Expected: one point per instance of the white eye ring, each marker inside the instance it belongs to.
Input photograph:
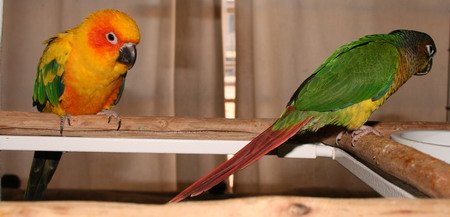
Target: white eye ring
(430, 49)
(111, 37)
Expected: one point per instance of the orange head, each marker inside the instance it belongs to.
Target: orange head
(107, 41)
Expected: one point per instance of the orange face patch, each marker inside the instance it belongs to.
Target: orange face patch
(103, 38)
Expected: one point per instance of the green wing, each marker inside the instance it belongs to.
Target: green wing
(48, 86)
(361, 70)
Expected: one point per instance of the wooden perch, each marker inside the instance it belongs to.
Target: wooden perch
(428, 174)
(422, 171)
(261, 206)
(34, 123)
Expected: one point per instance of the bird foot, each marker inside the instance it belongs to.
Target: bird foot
(62, 121)
(357, 134)
(339, 137)
(112, 114)
(362, 131)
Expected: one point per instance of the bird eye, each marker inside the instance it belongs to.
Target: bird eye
(430, 49)
(111, 37)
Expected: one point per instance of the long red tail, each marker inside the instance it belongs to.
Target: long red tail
(258, 147)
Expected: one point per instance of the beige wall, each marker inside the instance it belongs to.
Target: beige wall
(282, 42)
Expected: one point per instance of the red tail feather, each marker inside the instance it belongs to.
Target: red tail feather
(258, 147)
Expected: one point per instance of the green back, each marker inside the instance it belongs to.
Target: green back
(358, 71)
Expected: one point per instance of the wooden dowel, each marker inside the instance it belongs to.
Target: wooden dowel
(34, 123)
(259, 206)
(428, 174)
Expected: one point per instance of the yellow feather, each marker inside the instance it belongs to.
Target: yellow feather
(360, 112)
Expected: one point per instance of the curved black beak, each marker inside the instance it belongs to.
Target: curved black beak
(127, 55)
(426, 69)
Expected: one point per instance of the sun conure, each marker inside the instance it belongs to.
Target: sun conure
(82, 71)
(344, 91)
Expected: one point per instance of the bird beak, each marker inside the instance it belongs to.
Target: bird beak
(127, 55)
(426, 69)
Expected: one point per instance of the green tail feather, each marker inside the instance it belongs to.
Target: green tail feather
(41, 172)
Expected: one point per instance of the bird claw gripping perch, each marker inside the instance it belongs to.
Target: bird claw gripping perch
(362, 131)
(112, 114)
(62, 121)
(357, 134)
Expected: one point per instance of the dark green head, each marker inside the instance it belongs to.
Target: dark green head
(419, 47)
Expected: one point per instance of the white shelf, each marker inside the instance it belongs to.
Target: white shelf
(188, 146)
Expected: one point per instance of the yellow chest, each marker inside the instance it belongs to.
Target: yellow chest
(88, 91)
(356, 115)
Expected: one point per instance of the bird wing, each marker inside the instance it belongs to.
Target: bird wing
(358, 71)
(48, 86)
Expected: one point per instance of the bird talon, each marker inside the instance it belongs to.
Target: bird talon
(357, 134)
(119, 124)
(62, 121)
(112, 114)
(339, 137)
(362, 131)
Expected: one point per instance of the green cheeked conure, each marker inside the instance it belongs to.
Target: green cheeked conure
(344, 91)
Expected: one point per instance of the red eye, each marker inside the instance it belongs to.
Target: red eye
(111, 37)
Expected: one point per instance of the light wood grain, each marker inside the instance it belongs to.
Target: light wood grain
(258, 206)
(34, 123)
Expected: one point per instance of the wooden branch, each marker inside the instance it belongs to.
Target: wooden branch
(420, 170)
(34, 123)
(428, 174)
(258, 206)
